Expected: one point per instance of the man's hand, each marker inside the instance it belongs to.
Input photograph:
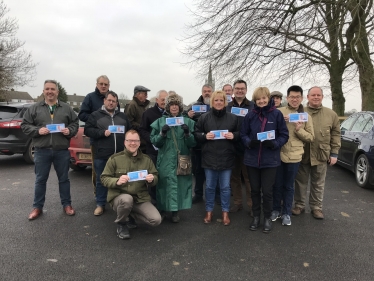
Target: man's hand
(191, 113)
(123, 179)
(286, 118)
(333, 160)
(229, 136)
(43, 131)
(107, 133)
(65, 131)
(298, 126)
(254, 143)
(210, 136)
(149, 178)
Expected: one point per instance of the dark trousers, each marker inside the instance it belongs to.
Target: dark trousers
(262, 180)
(199, 173)
(101, 191)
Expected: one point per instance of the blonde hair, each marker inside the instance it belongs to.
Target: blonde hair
(259, 92)
(220, 94)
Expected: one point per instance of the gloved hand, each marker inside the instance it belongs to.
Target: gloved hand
(269, 144)
(185, 128)
(254, 143)
(165, 129)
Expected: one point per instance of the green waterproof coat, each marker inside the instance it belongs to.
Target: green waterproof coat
(173, 192)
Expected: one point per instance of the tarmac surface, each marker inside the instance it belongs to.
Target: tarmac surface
(85, 247)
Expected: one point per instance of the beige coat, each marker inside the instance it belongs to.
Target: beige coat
(293, 150)
(327, 136)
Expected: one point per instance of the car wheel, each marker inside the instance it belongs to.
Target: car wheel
(363, 171)
(28, 156)
(77, 167)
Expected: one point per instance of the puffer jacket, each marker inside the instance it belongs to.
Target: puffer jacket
(217, 154)
(120, 164)
(293, 150)
(95, 127)
(259, 120)
(38, 116)
(327, 136)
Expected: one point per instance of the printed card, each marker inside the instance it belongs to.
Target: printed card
(219, 134)
(268, 135)
(137, 175)
(229, 98)
(116, 129)
(55, 128)
(239, 111)
(199, 108)
(175, 121)
(298, 117)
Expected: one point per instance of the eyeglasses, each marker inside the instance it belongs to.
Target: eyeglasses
(133, 141)
(294, 97)
(103, 84)
(239, 89)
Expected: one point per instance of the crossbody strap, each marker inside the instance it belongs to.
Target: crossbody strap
(174, 139)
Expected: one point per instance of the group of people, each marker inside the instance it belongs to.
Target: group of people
(222, 144)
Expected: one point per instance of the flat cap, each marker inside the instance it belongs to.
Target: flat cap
(140, 89)
(276, 94)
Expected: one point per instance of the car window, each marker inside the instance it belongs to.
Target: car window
(369, 124)
(360, 123)
(8, 112)
(347, 124)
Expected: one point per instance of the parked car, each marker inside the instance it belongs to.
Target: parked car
(357, 150)
(80, 152)
(12, 139)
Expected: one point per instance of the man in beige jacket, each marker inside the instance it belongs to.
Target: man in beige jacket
(322, 151)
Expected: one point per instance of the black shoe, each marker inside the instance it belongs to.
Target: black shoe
(174, 217)
(123, 231)
(267, 225)
(255, 223)
(131, 224)
(197, 199)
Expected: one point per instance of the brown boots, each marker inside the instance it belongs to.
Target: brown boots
(225, 218)
(208, 217)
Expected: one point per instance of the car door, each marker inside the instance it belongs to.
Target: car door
(346, 138)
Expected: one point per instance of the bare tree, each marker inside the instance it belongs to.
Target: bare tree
(274, 40)
(16, 65)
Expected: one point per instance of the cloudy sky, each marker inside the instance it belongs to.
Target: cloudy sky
(132, 42)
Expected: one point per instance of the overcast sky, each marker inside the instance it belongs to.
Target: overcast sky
(132, 42)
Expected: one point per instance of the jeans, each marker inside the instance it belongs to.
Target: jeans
(101, 191)
(283, 188)
(262, 180)
(43, 159)
(213, 177)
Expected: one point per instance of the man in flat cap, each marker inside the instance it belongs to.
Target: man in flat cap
(135, 109)
(277, 98)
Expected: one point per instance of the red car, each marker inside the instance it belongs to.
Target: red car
(80, 152)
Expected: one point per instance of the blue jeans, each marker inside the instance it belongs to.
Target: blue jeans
(212, 178)
(43, 159)
(101, 191)
(283, 188)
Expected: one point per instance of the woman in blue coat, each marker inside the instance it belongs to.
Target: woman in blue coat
(263, 157)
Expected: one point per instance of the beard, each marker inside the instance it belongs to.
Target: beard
(207, 100)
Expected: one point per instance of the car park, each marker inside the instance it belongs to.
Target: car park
(12, 139)
(80, 151)
(357, 147)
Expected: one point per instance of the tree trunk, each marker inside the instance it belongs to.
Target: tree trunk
(338, 100)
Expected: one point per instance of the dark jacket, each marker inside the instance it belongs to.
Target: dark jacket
(217, 154)
(259, 120)
(97, 123)
(149, 116)
(134, 111)
(245, 104)
(92, 102)
(38, 116)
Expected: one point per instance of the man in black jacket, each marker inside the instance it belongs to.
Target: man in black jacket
(92, 102)
(106, 127)
(240, 101)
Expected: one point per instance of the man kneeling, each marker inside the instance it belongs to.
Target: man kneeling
(128, 192)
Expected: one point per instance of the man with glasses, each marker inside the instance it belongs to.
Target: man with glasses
(92, 102)
(130, 196)
(135, 109)
(51, 124)
(106, 127)
(240, 100)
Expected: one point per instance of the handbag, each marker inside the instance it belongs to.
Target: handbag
(184, 167)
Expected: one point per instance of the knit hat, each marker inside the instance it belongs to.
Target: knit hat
(173, 99)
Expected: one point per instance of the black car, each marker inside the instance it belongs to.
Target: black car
(357, 150)
(12, 139)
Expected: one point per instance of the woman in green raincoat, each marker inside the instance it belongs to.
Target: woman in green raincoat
(174, 192)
